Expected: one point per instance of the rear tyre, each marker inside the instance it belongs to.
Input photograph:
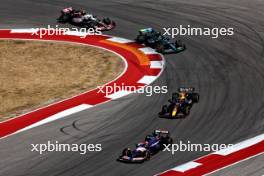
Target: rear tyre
(170, 140)
(148, 156)
(167, 140)
(107, 21)
(187, 111)
(195, 97)
(91, 24)
(113, 23)
(178, 43)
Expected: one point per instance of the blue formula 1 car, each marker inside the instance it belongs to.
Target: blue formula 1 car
(156, 141)
(153, 144)
(159, 42)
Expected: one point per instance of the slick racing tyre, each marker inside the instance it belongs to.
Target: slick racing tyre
(195, 97)
(127, 152)
(164, 109)
(91, 24)
(178, 43)
(147, 156)
(165, 141)
(169, 140)
(187, 111)
(140, 39)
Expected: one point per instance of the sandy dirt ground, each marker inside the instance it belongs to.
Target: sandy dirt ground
(33, 74)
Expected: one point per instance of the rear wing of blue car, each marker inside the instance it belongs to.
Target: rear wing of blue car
(161, 132)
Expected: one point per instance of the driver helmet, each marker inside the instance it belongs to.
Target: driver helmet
(83, 12)
(155, 134)
(182, 96)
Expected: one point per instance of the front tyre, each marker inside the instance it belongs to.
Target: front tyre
(175, 96)
(164, 109)
(160, 48)
(63, 18)
(126, 152)
(140, 39)
(148, 156)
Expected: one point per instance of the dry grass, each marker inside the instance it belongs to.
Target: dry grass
(33, 74)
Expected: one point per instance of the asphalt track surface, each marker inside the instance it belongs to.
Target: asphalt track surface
(227, 72)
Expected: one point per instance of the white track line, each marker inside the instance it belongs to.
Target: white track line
(186, 166)
(118, 94)
(75, 33)
(57, 116)
(147, 79)
(156, 64)
(240, 145)
(120, 40)
(148, 50)
(24, 30)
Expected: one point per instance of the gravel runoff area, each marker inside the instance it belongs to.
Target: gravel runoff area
(35, 73)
